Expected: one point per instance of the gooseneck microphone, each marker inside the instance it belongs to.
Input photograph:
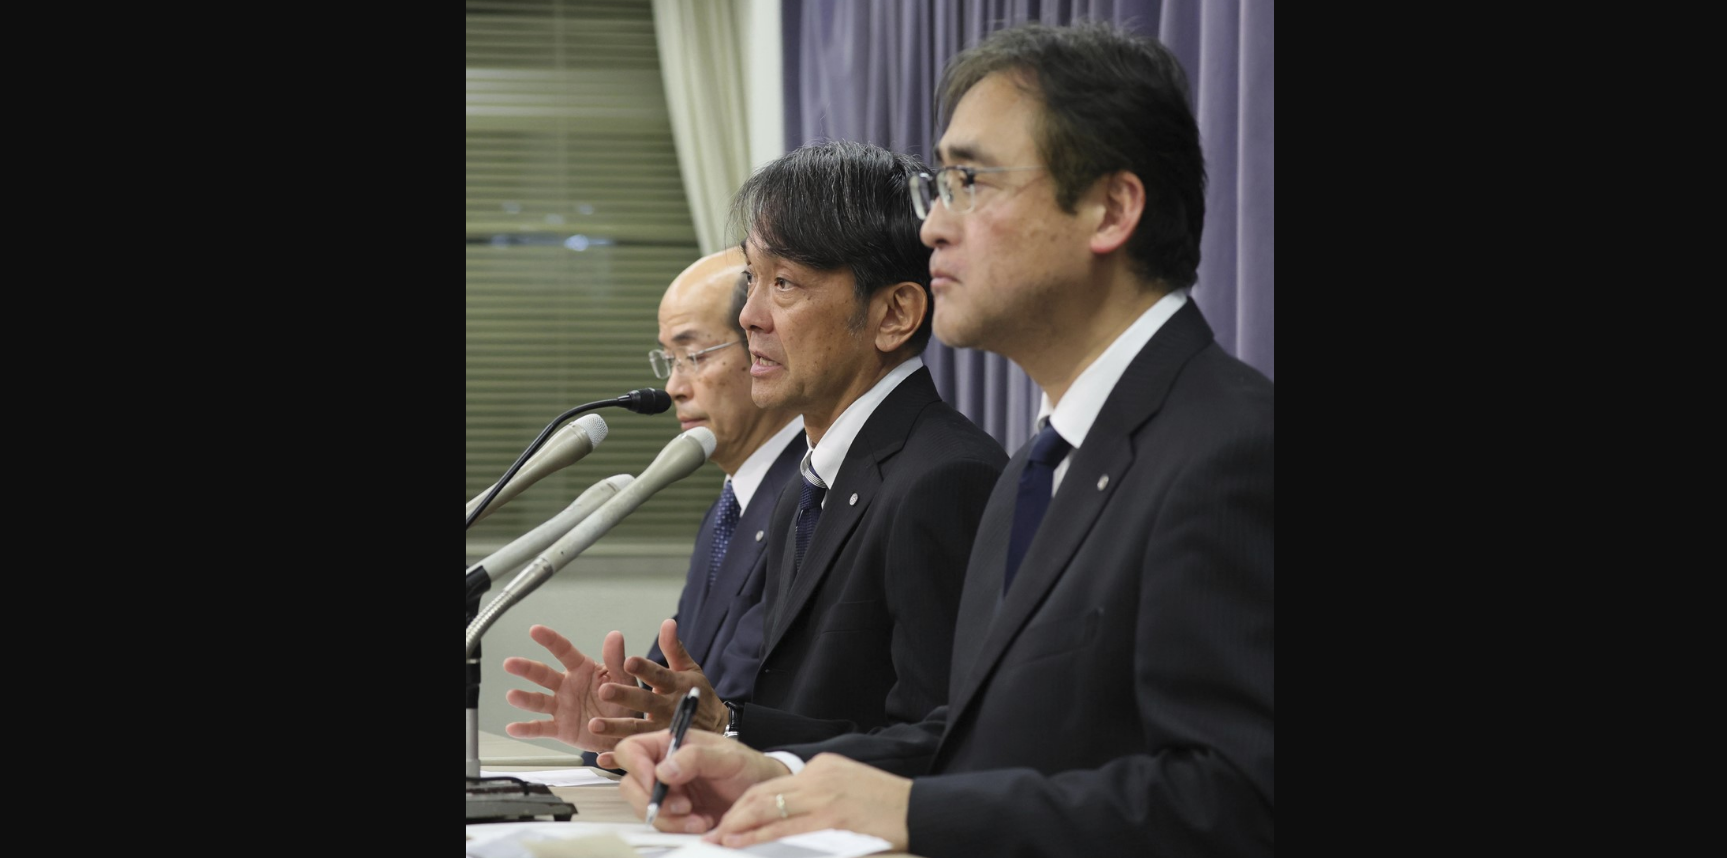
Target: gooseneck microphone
(680, 458)
(511, 557)
(646, 400)
(565, 448)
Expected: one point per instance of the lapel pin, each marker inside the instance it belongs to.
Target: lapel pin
(1102, 481)
(758, 536)
(854, 499)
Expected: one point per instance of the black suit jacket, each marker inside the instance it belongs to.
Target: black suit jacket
(862, 635)
(1118, 701)
(722, 627)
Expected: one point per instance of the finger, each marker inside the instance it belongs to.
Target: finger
(532, 701)
(677, 658)
(559, 646)
(612, 653)
(679, 823)
(757, 808)
(532, 729)
(607, 760)
(534, 672)
(617, 727)
(637, 756)
(661, 679)
(638, 700)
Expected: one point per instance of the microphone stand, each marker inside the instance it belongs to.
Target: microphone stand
(500, 799)
(506, 798)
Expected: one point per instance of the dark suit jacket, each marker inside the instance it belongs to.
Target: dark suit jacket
(862, 636)
(722, 628)
(1118, 701)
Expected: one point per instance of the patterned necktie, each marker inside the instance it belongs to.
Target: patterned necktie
(724, 527)
(1035, 488)
(809, 513)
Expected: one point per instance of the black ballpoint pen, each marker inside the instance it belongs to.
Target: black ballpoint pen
(680, 725)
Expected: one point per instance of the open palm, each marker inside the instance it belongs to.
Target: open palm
(575, 698)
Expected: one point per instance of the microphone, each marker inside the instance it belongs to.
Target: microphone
(680, 458)
(508, 559)
(647, 400)
(567, 447)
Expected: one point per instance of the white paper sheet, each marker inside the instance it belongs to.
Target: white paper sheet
(556, 777)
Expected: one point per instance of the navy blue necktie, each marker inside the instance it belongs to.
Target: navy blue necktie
(1035, 488)
(809, 512)
(724, 527)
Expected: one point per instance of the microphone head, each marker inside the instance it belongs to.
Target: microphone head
(704, 436)
(647, 400)
(595, 427)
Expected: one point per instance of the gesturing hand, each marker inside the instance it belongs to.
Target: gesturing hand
(669, 685)
(575, 703)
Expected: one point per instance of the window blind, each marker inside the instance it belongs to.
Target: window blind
(576, 221)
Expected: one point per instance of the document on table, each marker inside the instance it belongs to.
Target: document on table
(609, 840)
(555, 777)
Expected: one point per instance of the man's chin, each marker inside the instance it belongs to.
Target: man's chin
(954, 336)
(766, 395)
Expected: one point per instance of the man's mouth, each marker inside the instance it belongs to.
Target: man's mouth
(761, 366)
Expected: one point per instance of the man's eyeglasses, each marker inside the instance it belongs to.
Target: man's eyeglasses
(955, 186)
(665, 363)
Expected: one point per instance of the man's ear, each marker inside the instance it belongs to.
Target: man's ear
(1123, 204)
(902, 307)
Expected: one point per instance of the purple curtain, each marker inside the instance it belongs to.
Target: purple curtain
(858, 70)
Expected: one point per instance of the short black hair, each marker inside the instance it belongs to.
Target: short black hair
(1112, 100)
(842, 204)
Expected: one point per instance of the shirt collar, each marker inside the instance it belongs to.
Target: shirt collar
(827, 458)
(755, 468)
(1085, 397)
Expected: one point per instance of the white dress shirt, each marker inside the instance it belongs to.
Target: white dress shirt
(755, 468)
(1085, 397)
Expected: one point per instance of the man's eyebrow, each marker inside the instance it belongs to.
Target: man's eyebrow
(682, 336)
(959, 152)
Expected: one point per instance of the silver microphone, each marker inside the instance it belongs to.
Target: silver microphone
(563, 449)
(680, 458)
(511, 557)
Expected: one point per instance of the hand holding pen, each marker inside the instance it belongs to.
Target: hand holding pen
(680, 725)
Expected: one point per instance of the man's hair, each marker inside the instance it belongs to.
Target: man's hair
(1112, 100)
(842, 204)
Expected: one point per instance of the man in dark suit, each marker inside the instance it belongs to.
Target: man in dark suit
(1113, 664)
(704, 358)
(865, 553)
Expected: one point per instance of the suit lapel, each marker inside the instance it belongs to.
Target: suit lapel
(880, 438)
(1094, 472)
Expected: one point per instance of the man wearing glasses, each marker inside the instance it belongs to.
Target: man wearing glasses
(718, 628)
(1113, 662)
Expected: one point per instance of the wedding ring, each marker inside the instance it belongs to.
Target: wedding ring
(780, 802)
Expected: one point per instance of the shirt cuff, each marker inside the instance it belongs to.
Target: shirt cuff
(792, 761)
